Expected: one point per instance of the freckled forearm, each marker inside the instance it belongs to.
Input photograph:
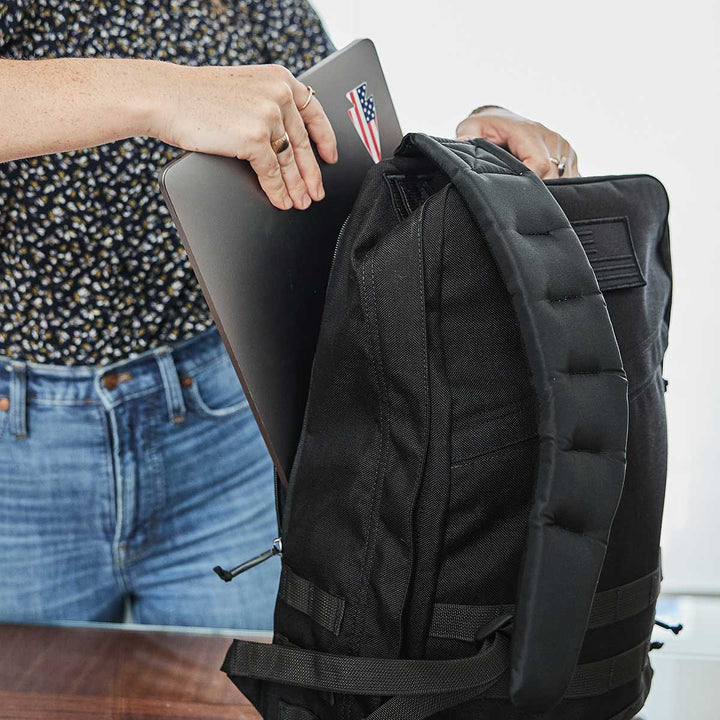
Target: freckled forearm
(49, 106)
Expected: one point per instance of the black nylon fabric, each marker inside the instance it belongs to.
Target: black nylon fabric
(460, 622)
(294, 712)
(479, 674)
(416, 474)
(325, 609)
(364, 675)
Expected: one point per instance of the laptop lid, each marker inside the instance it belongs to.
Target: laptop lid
(263, 271)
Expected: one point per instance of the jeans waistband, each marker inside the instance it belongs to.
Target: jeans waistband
(163, 367)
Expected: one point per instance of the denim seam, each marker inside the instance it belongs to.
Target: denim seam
(172, 391)
(110, 404)
(43, 401)
(118, 561)
(18, 400)
(210, 412)
(158, 469)
(198, 369)
(110, 471)
(104, 397)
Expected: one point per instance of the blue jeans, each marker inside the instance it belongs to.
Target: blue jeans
(132, 481)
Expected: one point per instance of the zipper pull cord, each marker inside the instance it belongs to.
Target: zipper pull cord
(674, 628)
(228, 575)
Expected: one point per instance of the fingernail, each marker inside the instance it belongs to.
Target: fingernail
(305, 200)
(335, 156)
(320, 191)
(287, 202)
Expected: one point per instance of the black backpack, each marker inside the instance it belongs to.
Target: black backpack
(471, 529)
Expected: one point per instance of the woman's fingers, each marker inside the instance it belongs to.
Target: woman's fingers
(316, 122)
(294, 182)
(530, 147)
(556, 155)
(320, 131)
(298, 165)
(238, 111)
(540, 148)
(301, 126)
(304, 156)
(264, 162)
(564, 157)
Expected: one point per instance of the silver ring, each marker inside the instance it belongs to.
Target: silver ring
(561, 164)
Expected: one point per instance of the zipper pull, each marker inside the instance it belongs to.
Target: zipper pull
(674, 628)
(228, 575)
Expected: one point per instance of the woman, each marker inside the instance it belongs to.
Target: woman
(130, 463)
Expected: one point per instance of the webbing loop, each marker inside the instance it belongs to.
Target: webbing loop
(417, 689)
(290, 665)
(452, 621)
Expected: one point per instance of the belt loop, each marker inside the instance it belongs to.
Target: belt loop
(18, 400)
(171, 384)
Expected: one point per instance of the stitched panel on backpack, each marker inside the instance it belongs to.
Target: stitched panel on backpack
(494, 435)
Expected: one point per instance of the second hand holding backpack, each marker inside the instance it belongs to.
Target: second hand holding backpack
(476, 421)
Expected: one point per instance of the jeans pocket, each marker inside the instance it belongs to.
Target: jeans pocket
(215, 392)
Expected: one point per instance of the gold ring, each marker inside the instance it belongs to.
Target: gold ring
(311, 92)
(281, 144)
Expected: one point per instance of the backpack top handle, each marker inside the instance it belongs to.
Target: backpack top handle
(583, 407)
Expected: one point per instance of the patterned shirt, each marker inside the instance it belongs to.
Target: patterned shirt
(91, 268)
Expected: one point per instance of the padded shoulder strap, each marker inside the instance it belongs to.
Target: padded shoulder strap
(583, 413)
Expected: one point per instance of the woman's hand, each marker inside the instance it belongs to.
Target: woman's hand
(238, 111)
(541, 149)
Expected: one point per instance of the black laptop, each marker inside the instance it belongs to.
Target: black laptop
(264, 271)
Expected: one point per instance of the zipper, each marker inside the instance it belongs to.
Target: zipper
(337, 245)
(675, 629)
(279, 504)
(286, 508)
(277, 548)
(228, 575)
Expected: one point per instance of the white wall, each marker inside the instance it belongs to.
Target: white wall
(635, 87)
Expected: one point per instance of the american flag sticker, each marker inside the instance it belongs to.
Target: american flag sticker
(362, 115)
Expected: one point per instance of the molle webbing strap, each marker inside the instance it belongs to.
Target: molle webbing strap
(451, 621)
(583, 409)
(325, 609)
(294, 712)
(589, 680)
(417, 688)
(622, 602)
(597, 678)
(290, 665)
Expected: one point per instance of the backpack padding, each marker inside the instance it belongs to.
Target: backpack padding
(583, 411)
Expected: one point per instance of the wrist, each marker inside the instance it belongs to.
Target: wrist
(153, 97)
